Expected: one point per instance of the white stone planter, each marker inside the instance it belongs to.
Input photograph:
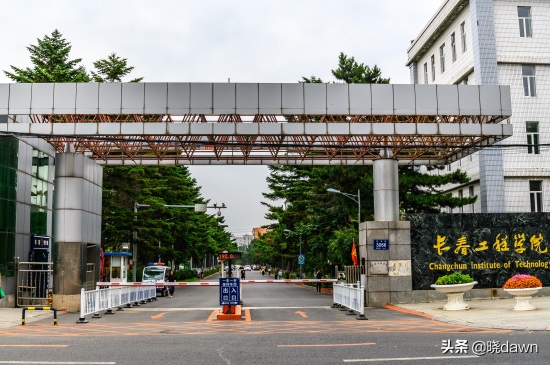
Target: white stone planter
(523, 296)
(455, 295)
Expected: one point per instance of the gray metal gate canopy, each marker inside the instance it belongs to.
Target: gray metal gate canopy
(259, 123)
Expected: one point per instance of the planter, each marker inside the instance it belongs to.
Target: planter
(455, 295)
(522, 298)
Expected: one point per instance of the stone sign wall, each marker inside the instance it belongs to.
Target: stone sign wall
(489, 247)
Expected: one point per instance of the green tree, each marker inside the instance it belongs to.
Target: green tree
(174, 234)
(112, 69)
(50, 58)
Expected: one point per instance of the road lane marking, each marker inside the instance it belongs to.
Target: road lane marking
(213, 315)
(331, 344)
(34, 345)
(160, 315)
(59, 362)
(412, 358)
(303, 314)
(247, 316)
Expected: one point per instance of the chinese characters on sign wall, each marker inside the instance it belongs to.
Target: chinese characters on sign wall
(500, 244)
(491, 247)
(520, 244)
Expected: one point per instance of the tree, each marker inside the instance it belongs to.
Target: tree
(50, 58)
(181, 232)
(112, 69)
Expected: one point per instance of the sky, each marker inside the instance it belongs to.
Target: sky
(220, 40)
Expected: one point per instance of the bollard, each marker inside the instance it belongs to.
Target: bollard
(39, 309)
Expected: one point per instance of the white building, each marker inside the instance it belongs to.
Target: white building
(244, 240)
(488, 42)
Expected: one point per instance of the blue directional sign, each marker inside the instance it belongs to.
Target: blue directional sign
(381, 244)
(230, 291)
(301, 259)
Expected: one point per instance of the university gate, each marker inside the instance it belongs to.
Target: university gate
(90, 125)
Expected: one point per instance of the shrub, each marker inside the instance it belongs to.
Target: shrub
(454, 278)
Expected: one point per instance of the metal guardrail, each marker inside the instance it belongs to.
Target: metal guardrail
(95, 301)
(39, 309)
(33, 283)
(351, 296)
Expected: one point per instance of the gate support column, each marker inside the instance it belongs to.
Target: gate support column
(77, 226)
(388, 260)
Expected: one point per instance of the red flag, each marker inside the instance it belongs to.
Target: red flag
(354, 254)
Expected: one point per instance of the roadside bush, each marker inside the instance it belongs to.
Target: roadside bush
(185, 274)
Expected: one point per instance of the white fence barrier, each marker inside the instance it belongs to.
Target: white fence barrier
(94, 301)
(351, 296)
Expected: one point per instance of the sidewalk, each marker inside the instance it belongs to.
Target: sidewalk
(10, 317)
(487, 313)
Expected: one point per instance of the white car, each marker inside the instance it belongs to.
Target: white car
(247, 268)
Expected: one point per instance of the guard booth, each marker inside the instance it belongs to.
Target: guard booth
(115, 267)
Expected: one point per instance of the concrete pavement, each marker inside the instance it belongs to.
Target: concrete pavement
(10, 317)
(485, 313)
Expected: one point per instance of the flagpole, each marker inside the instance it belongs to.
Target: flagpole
(359, 231)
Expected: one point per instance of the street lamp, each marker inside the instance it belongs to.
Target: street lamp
(199, 208)
(357, 199)
(300, 235)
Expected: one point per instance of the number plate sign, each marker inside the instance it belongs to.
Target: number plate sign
(224, 256)
(230, 291)
(381, 244)
(40, 242)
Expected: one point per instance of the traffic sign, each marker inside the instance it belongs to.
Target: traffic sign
(301, 259)
(224, 256)
(230, 291)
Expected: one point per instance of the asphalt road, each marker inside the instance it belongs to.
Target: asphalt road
(282, 324)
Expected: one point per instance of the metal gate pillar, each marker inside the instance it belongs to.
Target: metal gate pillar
(77, 226)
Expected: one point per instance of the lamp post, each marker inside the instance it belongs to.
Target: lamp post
(199, 208)
(300, 235)
(357, 199)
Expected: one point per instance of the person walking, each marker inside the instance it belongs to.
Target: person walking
(243, 274)
(171, 279)
(319, 275)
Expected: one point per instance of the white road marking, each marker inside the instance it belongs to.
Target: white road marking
(58, 362)
(411, 358)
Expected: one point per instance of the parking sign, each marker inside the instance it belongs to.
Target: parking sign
(230, 291)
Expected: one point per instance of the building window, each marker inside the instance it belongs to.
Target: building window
(461, 196)
(529, 87)
(463, 36)
(471, 190)
(453, 47)
(442, 57)
(524, 16)
(535, 187)
(426, 72)
(433, 67)
(532, 129)
(465, 81)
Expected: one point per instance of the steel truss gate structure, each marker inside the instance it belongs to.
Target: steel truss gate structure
(259, 124)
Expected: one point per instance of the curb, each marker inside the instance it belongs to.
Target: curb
(408, 311)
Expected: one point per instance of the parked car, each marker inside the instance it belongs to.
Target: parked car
(157, 274)
(247, 268)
